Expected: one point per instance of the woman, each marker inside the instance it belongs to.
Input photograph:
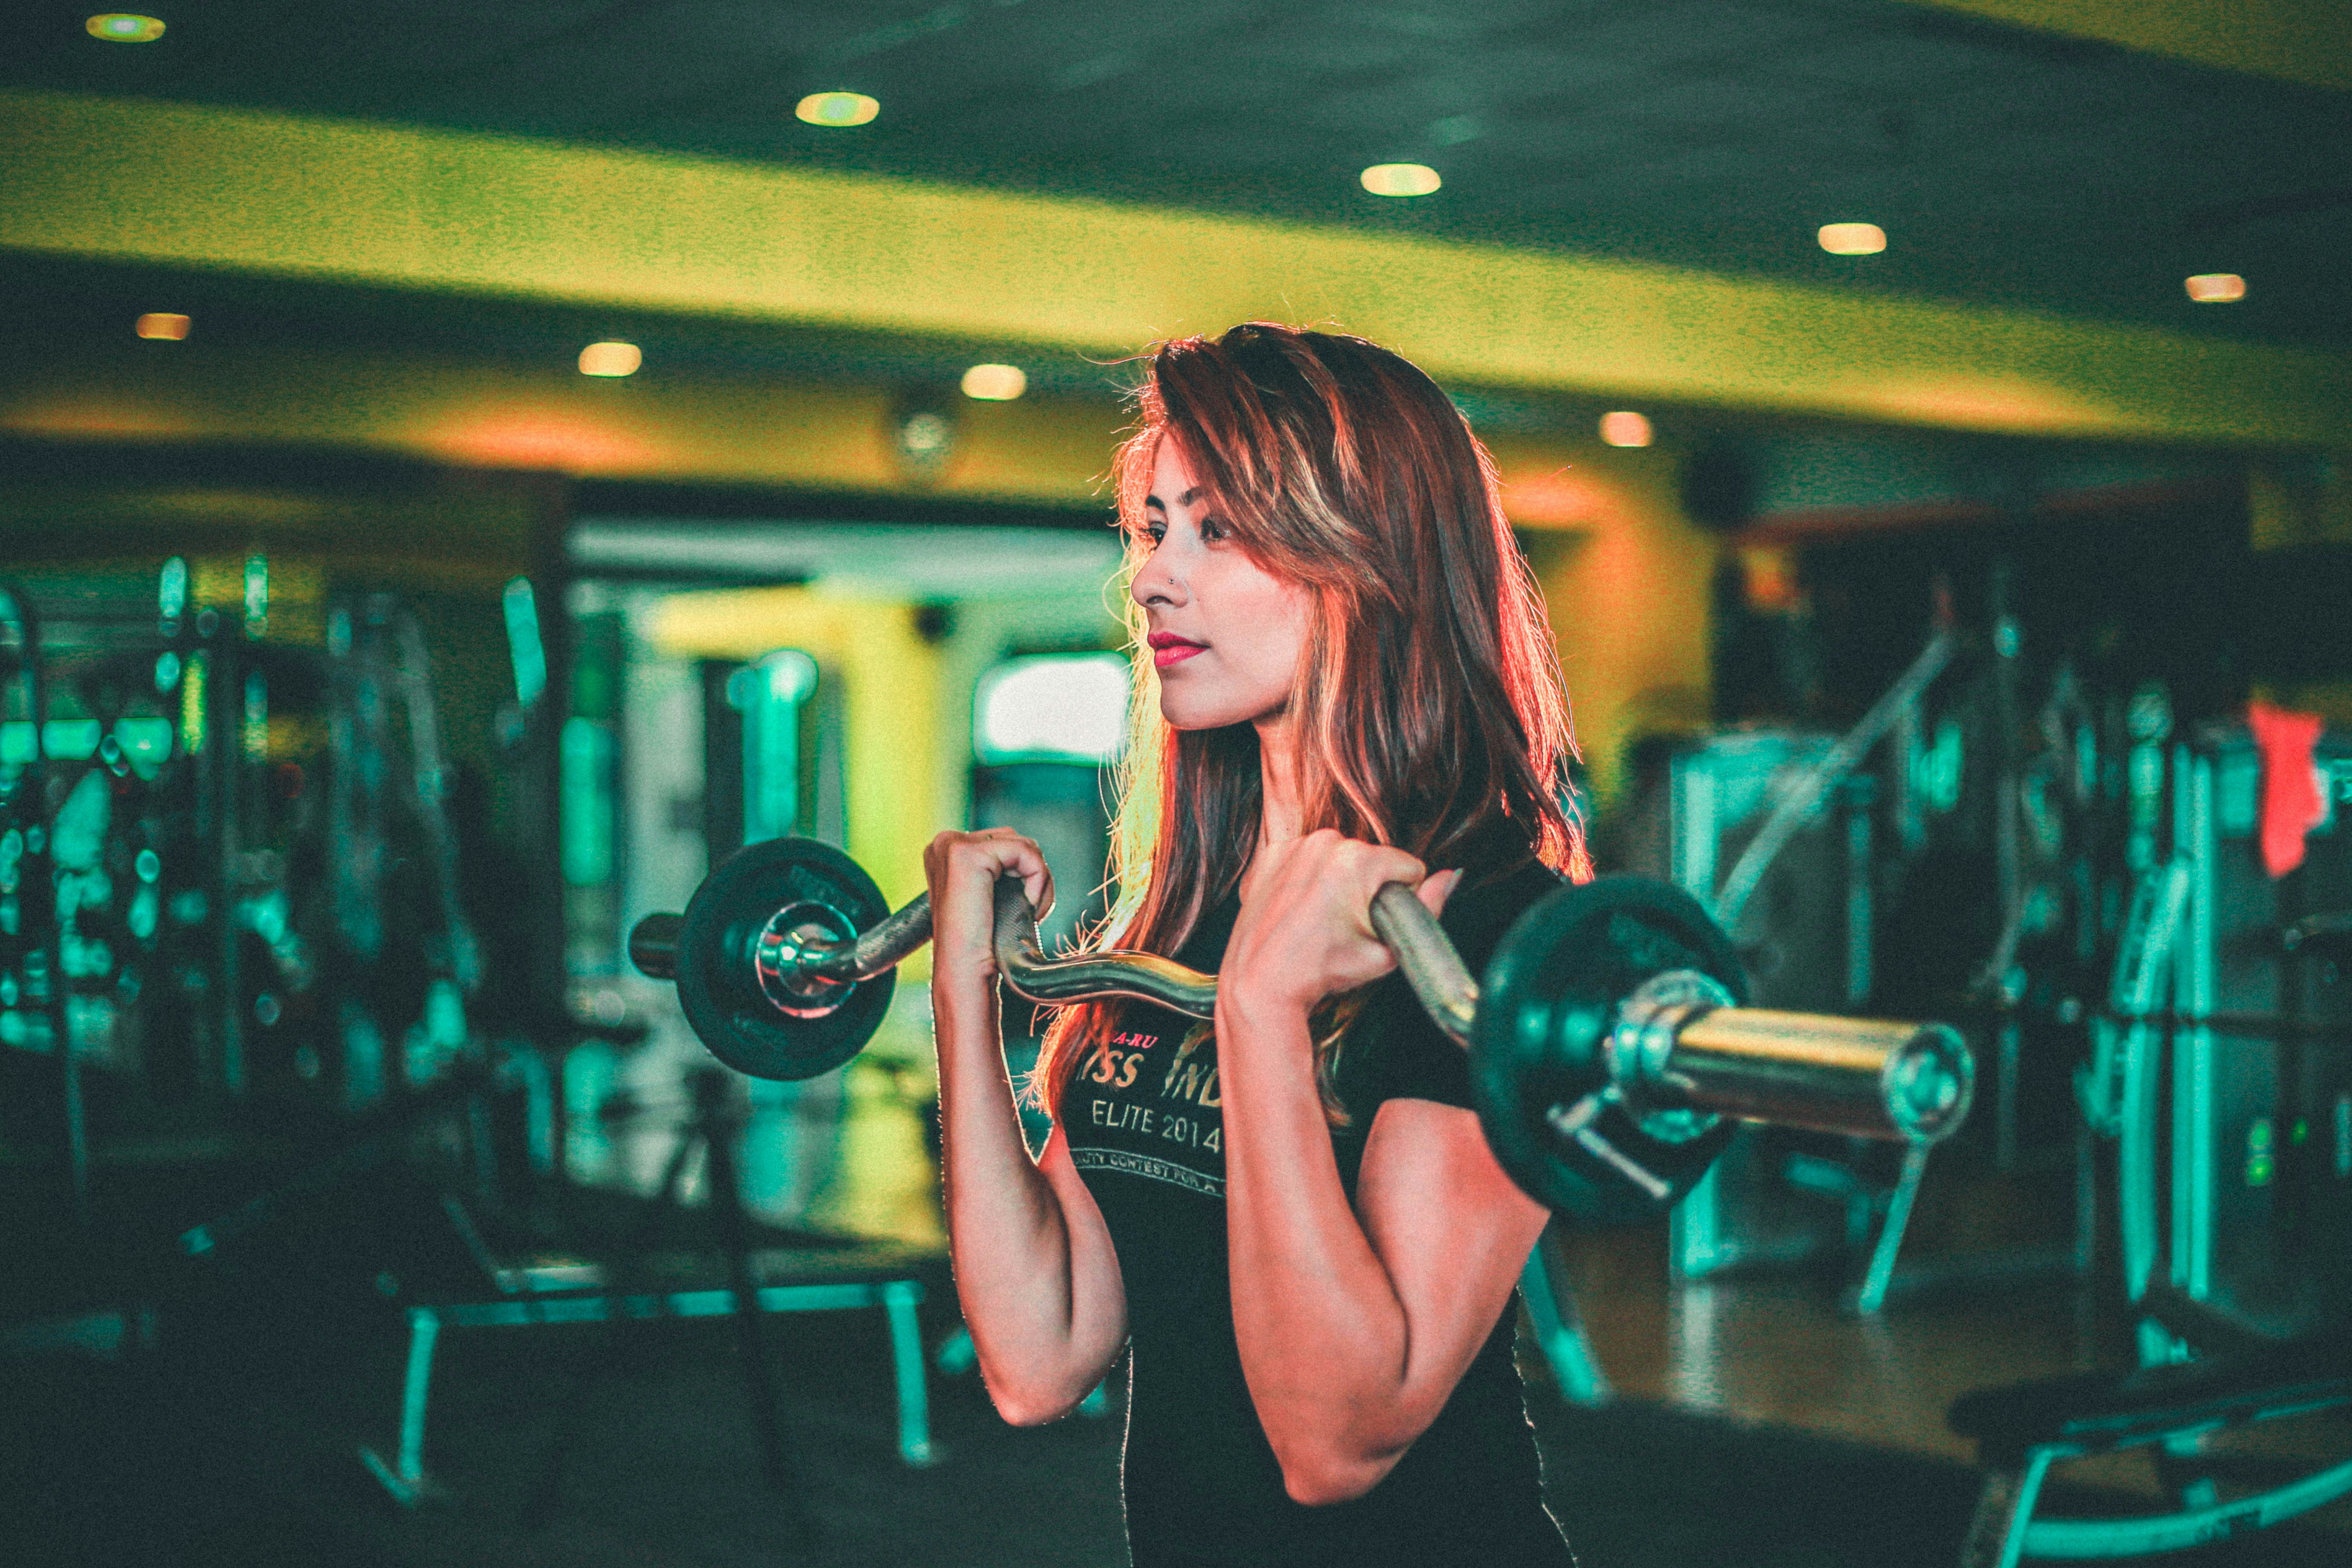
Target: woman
(1290, 1211)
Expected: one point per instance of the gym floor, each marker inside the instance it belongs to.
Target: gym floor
(1756, 1427)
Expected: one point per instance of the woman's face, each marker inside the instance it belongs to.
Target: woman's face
(1226, 633)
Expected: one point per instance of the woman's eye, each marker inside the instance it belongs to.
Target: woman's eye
(1211, 530)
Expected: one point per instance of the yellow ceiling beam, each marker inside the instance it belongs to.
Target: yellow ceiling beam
(663, 423)
(2306, 41)
(437, 211)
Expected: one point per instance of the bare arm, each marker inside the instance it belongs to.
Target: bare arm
(1034, 1270)
(1354, 1324)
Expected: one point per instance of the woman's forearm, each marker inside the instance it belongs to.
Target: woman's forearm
(1033, 1268)
(1325, 1339)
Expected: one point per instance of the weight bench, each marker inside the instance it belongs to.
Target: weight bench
(811, 1281)
(2022, 1431)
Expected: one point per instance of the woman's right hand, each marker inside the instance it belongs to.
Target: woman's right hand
(962, 869)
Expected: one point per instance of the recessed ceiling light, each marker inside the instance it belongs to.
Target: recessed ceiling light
(836, 109)
(122, 27)
(995, 383)
(162, 324)
(1852, 238)
(611, 359)
(2216, 288)
(1627, 428)
(1400, 179)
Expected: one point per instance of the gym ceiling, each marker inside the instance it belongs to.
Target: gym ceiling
(2025, 175)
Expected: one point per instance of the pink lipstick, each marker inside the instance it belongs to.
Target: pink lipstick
(1168, 648)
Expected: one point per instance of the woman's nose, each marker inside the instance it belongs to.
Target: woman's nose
(1155, 582)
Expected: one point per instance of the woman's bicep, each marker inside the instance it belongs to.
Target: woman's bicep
(1451, 1230)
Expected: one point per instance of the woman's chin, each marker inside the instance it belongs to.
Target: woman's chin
(1191, 716)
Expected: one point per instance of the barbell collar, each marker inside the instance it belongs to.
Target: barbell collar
(1640, 1051)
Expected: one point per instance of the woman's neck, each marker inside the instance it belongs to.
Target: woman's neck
(1278, 763)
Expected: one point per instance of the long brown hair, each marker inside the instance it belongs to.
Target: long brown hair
(1428, 702)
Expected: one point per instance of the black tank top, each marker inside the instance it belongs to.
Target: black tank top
(1143, 1117)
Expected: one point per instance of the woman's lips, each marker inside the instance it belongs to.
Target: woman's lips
(1174, 653)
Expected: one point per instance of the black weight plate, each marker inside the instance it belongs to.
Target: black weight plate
(1545, 1007)
(718, 988)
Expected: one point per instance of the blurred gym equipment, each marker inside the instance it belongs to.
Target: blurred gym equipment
(32, 979)
(1608, 1053)
(2235, 1166)
(1941, 855)
(2259, 1155)
(2043, 830)
(231, 862)
(2022, 1432)
(1800, 919)
(755, 1284)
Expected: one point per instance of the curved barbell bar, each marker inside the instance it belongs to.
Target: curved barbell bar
(1675, 1046)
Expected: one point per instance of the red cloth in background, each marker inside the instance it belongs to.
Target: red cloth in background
(2292, 804)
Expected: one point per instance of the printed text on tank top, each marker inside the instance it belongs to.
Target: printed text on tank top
(1145, 1105)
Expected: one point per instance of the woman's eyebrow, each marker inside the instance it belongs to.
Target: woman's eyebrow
(1187, 499)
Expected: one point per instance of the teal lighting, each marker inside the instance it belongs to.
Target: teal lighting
(587, 762)
(524, 647)
(770, 693)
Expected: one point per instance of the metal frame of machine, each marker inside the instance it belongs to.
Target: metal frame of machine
(1719, 786)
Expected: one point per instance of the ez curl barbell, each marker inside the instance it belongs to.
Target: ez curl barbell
(1609, 1053)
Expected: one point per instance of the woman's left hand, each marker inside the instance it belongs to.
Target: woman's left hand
(1306, 926)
